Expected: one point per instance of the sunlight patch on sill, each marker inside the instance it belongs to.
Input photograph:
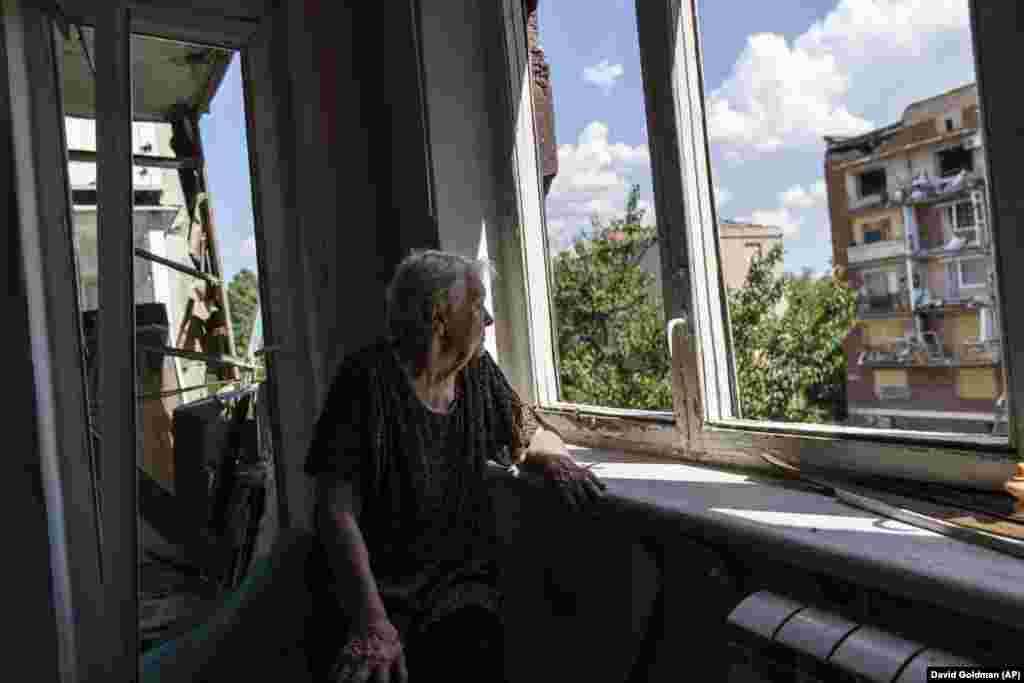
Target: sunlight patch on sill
(828, 522)
(662, 472)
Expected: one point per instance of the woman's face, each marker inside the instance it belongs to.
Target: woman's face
(469, 320)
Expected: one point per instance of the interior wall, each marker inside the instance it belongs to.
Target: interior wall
(459, 87)
(357, 195)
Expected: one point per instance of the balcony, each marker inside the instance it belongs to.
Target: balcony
(926, 189)
(883, 304)
(870, 201)
(929, 351)
(862, 253)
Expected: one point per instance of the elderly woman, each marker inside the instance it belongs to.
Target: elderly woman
(406, 556)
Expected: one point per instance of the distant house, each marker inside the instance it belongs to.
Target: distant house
(738, 244)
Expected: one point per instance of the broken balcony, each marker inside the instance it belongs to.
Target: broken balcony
(929, 351)
(883, 304)
(875, 251)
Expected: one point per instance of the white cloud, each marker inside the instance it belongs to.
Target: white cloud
(781, 217)
(797, 197)
(593, 178)
(792, 202)
(604, 75)
(781, 93)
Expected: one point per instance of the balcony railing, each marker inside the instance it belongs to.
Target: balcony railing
(930, 352)
(871, 200)
(876, 250)
(881, 304)
(927, 189)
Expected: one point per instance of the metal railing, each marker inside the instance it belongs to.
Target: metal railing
(878, 304)
(929, 351)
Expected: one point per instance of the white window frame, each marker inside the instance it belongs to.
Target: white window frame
(670, 49)
(960, 273)
(949, 219)
(93, 555)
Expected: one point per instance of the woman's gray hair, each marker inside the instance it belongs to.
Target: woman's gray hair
(422, 280)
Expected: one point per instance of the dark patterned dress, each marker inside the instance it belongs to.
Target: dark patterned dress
(427, 516)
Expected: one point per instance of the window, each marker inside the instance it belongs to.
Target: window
(605, 257)
(954, 160)
(81, 193)
(960, 216)
(732, 129)
(877, 282)
(959, 220)
(973, 272)
(871, 183)
(753, 251)
(949, 125)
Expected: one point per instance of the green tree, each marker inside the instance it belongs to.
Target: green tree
(788, 333)
(243, 300)
(611, 331)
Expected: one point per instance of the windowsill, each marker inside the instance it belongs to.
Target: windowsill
(755, 514)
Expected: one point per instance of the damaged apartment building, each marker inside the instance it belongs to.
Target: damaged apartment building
(908, 206)
(162, 520)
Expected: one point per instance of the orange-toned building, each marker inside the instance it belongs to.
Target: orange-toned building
(908, 207)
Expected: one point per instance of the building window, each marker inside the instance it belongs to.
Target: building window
(973, 272)
(954, 160)
(876, 282)
(871, 183)
(877, 232)
(949, 125)
(753, 250)
(960, 221)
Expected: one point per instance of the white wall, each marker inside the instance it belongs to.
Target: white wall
(459, 92)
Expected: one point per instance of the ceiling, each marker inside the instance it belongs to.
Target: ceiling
(164, 74)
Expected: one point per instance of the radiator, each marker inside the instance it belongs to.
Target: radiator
(775, 639)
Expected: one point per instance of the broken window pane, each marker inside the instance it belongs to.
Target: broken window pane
(872, 182)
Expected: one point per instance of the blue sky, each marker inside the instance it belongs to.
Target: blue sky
(227, 174)
(778, 77)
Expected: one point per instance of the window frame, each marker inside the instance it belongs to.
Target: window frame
(860, 182)
(960, 146)
(94, 557)
(708, 427)
(960, 272)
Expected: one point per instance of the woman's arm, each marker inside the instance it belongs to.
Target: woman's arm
(347, 554)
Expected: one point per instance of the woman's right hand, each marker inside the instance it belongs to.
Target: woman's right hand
(372, 653)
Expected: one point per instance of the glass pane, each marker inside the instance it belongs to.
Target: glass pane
(78, 96)
(847, 133)
(205, 465)
(607, 297)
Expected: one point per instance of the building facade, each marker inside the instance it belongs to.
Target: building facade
(738, 244)
(908, 211)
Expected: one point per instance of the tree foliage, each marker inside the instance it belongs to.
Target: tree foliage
(610, 325)
(243, 300)
(787, 334)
